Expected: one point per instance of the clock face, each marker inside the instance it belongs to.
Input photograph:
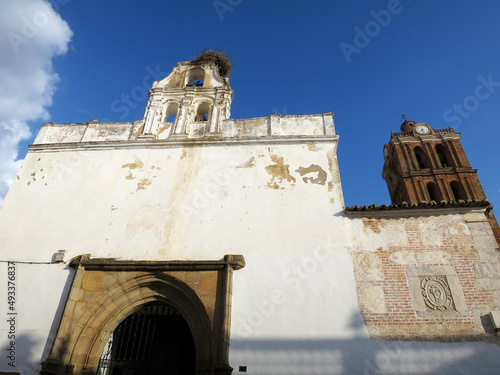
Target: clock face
(422, 129)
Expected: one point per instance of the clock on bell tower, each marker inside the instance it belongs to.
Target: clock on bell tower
(423, 164)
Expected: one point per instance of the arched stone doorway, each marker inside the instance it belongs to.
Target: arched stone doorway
(105, 292)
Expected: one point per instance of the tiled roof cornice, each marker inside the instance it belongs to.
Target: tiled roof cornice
(421, 208)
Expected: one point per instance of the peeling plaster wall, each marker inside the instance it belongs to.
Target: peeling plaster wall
(265, 188)
(279, 203)
(177, 203)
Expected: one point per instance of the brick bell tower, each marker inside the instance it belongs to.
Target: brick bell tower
(423, 164)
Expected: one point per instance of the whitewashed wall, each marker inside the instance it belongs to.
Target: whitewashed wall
(276, 199)
(269, 189)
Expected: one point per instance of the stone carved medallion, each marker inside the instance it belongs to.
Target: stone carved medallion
(436, 293)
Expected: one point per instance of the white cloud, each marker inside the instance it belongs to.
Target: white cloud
(31, 35)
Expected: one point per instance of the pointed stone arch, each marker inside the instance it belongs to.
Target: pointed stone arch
(130, 297)
(104, 294)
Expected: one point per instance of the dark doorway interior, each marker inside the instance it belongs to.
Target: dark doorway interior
(154, 340)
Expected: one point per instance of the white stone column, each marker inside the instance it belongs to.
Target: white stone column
(150, 119)
(182, 117)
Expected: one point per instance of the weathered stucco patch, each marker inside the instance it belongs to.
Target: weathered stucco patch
(374, 225)
(166, 126)
(138, 131)
(432, 234)
(411, 257)
(141, 185)
(130, 176)
(109, 131)
(368, 266)
(319, 179)
(180, 205)
(278, 171)
(372, 298)
(313, 147)
(245, 127)
(333, 169)
(248, 164)
(184, 154)
(387, 236)
(135, 165)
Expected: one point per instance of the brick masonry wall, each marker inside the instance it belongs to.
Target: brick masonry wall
(396, 258)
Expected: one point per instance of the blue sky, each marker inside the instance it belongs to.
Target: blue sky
(367, 61)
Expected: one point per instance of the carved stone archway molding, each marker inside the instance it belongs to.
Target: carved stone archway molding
(106, 291)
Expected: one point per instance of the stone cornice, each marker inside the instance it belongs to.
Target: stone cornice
(236, 262)
(170, 143)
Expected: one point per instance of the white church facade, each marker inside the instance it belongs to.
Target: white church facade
(189, 242)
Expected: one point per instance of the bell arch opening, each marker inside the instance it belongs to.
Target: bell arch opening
(195, 77)
(202, 112)
(442, 156)
(458, 191)
(155, 339)
(421, 158)
(171, 112)
(434, 192)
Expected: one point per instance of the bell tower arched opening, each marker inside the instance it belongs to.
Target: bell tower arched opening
(171, 112)
(443, 159)
(202, 112)
(420, 156)
(434, 192)
(458, 190)
(195, 77)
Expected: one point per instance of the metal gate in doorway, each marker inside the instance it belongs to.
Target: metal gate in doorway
(152, 341)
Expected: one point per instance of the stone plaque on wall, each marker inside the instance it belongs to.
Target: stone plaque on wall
(436, 291)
